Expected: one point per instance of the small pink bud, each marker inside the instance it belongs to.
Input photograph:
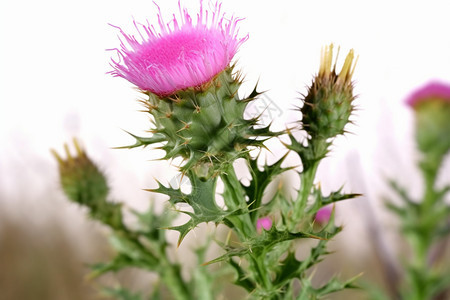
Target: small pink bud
(323, 215)
(265, 223)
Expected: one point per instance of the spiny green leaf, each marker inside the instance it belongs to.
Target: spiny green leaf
(336, 285)
(202, 201)
(289, 268)
(308, 292)
(242, 279)
(254, 94)
(175, 195)
(397, 209)
(311, 152)
(263, 243)
(317, 253)
(441, 193)
(321, 200)
(260, 180)
(133, 249)
(401, 192)
(202, 215)
(264, 131)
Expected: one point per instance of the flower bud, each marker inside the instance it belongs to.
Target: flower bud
(81, 180)
(85, 184)
(265, 223)
(431, 104)
(328, 104)
(323, 215)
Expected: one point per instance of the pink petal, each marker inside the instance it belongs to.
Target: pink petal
(265, 223)
(432, 90)
(323, 215)
(181, 55)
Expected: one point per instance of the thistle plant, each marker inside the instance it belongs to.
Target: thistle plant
(425, 221)
(191, 91)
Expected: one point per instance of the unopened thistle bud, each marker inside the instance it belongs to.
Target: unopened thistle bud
(328, 103)
(431, 104)
(85, 184)
(323, 215)
(185, 72)
(81, 180)
(263, 223)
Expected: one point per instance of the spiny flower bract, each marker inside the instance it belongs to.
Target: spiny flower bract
(183, 54)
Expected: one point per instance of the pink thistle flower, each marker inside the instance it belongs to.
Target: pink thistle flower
(182, 54)
(265, 223)
(433, 90)
(431, 104)
(323, 215)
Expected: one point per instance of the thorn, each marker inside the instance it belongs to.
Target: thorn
(175, 98)
(227, 240)
(186, 126)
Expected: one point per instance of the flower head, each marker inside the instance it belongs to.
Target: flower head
(431, 104)
(433, 90)
(182, 54)
(265, 223)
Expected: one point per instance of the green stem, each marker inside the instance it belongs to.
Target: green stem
(171, 276)
(421, 239)
(243, 222)
(246, 229)
(317, 148)
(257, 263)
(170, 273)
(429, 172)
(307, 181)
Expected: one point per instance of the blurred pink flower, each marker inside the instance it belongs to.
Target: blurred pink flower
(323, 215)
(433, 90)
(431, 104)
(181, 54)
(265, 223)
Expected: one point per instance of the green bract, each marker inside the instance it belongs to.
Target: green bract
(205, 126)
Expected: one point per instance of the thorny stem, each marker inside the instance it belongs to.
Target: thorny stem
(422, 239)
(232, 183)
(247, 228)
(319, 149)
(261, 270)
(171, 275)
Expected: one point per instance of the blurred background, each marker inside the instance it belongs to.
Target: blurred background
(54, 86)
